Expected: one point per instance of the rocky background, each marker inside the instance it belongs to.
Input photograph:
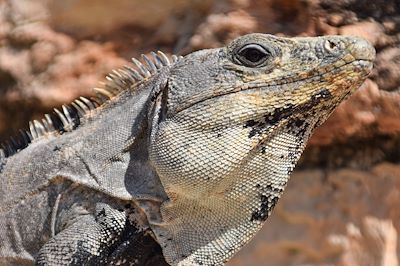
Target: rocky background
(342, 204)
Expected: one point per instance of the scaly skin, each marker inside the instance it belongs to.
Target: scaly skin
(201, 148)
(232, 135)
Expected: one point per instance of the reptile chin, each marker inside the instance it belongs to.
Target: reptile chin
(363, 66)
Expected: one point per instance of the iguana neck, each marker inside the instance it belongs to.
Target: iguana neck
(237, 209)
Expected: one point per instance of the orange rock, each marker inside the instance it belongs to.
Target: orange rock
(370, 30)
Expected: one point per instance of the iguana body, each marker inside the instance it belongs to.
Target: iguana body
(197, 151)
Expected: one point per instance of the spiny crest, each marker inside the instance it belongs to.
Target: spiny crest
(69, 117)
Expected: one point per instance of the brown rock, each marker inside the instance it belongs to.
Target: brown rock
(352, 117)
(324, 28)
(42, 53)
(28, 34)
(387, 69)
(318, 204)
(370, 30)
(75, 73)
(220, 28)
(367, 113)
(72, 16)
(46, 61)
(374, 244)
(26, 11)
(335, 19)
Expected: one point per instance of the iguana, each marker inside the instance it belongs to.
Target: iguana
(191, 151)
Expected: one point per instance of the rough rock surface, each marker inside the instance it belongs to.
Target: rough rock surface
(341, 205)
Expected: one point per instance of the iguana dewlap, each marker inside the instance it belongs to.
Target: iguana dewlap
(195, 150)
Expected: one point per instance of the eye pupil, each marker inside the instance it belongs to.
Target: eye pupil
(253, 55)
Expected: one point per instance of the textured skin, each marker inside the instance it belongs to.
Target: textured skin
(201, 151)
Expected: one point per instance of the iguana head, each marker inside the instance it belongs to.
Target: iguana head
(229, 128)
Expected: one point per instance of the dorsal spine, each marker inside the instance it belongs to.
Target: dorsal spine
(69, 117)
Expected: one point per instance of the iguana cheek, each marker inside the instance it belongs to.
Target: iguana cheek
(186, 158)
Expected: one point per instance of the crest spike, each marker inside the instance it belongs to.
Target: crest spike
(63, 119)
(88, 103)
(150, 64)
(82, 106)
(50, 122)
(32, 129)
(24, 137)
(174, 58)
(104, 92)
(134, 73)
(40, 130)
(67, 115)
(81, 113)
(157, 60)
(164, 58)
(146, 73)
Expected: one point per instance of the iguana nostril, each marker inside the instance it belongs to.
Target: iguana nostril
(330, 46)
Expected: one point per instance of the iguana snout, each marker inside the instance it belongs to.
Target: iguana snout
(362, 50)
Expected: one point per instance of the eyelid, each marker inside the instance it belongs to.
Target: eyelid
(253, 45)
(238, 58)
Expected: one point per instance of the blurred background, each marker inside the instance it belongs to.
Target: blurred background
(342, 204)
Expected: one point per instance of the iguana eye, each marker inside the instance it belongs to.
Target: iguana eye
(252, 55)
